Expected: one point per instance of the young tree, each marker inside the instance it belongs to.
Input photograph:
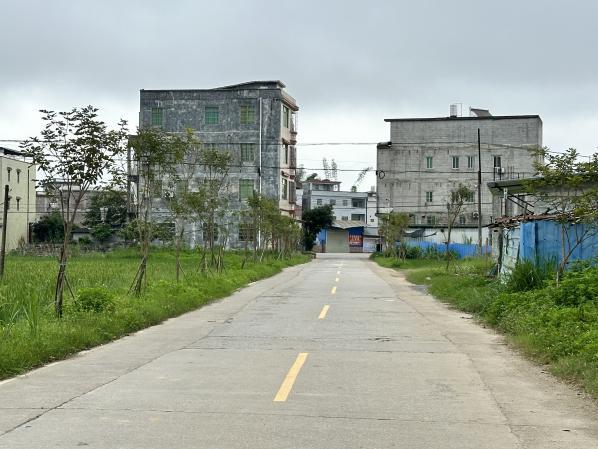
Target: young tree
(567, 186)
(156, 154)
(76, 153)
(314, 220)
(178, 186)
(392, 228)
(457, 199)
(208, 203)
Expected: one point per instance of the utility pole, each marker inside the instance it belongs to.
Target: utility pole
(4, 226)
(479, 195)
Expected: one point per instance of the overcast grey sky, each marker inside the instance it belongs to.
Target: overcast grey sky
(349, 64)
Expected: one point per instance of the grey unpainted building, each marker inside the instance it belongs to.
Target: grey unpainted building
(255, 121)
(426, 158)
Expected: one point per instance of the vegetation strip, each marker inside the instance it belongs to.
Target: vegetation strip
(556, 325)
(31, 334)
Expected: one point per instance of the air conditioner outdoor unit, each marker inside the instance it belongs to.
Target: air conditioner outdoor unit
(474, 216)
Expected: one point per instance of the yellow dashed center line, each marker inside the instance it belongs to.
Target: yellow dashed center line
(324, 312)
(338, 272)
(333, 291)
(289, 381)
(336, 280)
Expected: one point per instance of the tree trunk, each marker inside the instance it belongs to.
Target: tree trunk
(61, 280)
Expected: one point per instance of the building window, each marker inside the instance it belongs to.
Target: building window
(431, 220)
(497, 162)
(18, 203)
(245, 232)
(345, 217)
(8, 170)
(248, 152)
(455, 161)
(462, 219)
(211, 115)
(319, 201)
(247, 114)
(358, 202)
(429, 197)
(285, 150)
(333, 202)
(157, 116)
(429, 161)
(245, 188)
(18, 175)
(345, 202)
(286, 117)
(358, 217)
(284, 188)
(470, 161)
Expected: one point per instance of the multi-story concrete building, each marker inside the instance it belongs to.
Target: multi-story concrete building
(255, 121)
(426, 158)
(346, 205)
(19, 175)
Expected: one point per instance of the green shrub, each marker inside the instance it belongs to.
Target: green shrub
(529, 275)
(94, 299)
(577, 288)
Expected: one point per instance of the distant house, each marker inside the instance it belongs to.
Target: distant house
(355, 226)
(18, 174)
(346, 205)
(426, 158)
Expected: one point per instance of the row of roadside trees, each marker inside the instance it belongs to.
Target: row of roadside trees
(77, 153)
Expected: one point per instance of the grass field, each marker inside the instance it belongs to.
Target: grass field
(31, 335)
(554, 325)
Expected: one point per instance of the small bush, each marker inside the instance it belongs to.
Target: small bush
(529, 275)
(95, 299)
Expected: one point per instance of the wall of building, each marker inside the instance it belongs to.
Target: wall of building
(406, 177)
(183, 109)
(22, 207)
(343, 205)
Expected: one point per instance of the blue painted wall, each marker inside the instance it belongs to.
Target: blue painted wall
(462, 249)
(541, 240)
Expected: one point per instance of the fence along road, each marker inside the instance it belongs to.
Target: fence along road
(338, 353)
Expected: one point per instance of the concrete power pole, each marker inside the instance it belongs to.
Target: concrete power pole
(479, 195)
(4, 226)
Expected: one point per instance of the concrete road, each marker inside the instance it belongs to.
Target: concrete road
(338, 353)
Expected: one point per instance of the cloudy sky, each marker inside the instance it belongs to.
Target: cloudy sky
(349, 64)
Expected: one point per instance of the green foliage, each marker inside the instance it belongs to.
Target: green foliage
(567, 184)
(94, 299)
(76, 153)
(314, 220)
(392, 228)
(114, 202)
(102, 232)
(529, 275)
(49, 228)
(30, 334)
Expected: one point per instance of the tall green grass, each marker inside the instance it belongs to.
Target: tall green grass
(31, 335)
